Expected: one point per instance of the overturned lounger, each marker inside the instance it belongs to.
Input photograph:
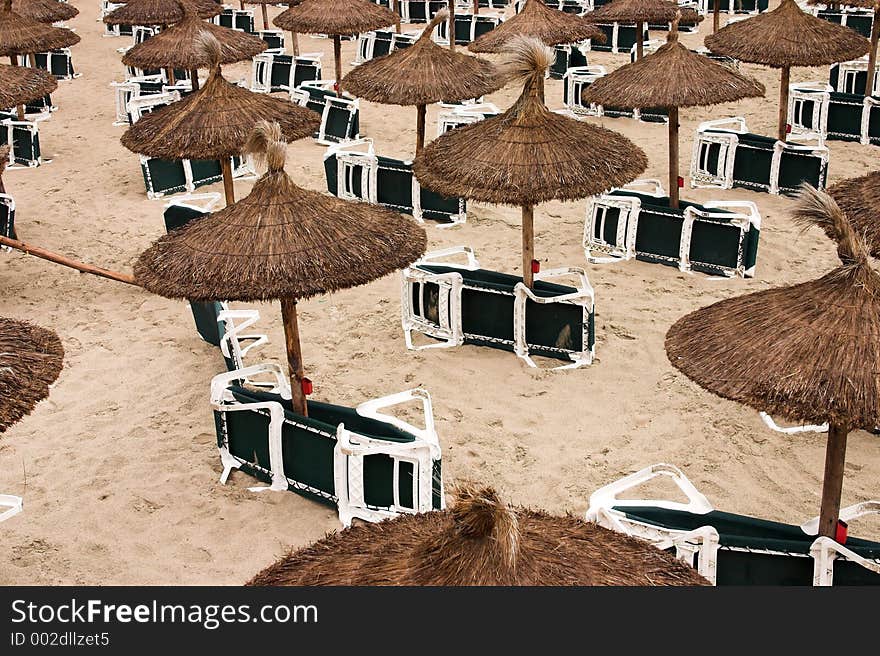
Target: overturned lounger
(465, 115)
(340, 116)
(369, 464)
(459, 304)
(24, 139)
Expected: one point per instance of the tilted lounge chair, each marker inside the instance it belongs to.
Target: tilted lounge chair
(569, 55)
(279, 72)
(24, 139)
(465, 115)
(727, 155)
(340, 116)
(636, 222)
(457, 304)
(816, 111)
(730, 549)
(855, 18)
(369, 464)
(355, 172)
(164, 177)
(274, 40)
(57, 62)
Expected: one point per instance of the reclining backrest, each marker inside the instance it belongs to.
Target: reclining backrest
(394, 184)
(163, 176)
(23, 136)
(382, 43)
(57, 62)
(274, 39)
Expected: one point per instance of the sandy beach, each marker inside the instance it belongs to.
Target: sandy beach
(119, 468)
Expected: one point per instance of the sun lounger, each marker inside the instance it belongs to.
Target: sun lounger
(9, 506)
(635, 222)
(113, 30)
(371, 465)
(272, 72)
(340, 116)
(577, 79)
(730, 549)
(132, 88)
(855, 18)
(817, 112)
(468, 27)
(464, 115)
(7, 217)
(24, 137)
(569, 6)
(355, 172)
(852, 76)
(459, 304)
(164, 177)
(420, 11)
(568, 56)
(239, 19)
(274, 40)
(726, 155)
(57, 62)
(619, 37)
(707, 7)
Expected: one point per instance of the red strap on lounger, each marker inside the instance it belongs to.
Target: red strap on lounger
(840, 532)
(307, 386)
(536, 266)
(680, 182)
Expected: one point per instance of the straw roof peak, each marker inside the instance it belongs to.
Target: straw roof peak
(266, 144)
(479, 514)
(439, 17)
(815, 208)
(210, 45)
(528, 60)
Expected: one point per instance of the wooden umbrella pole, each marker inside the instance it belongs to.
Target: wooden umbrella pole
(528, 244)
(337, 56)
(783, 102)
(228, 188)
(265, 16)
(395, 7)
(716, 16)
(294, 44)
(294, 356)
(832, 485)
(12, 60)
(673, 157)
(420, 127)
(640, 47)
(194, 78)
(170, 72)
(20, 110)
(42, 253)
(476, 7)
(872, 53)
(451, 26)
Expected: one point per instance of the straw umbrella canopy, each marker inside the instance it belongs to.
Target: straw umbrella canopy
(423, 74)
(539, 21)
(281, 242)
(263, 4)
(643, 12)
(158, 12)
(787, 37)
(528, 154)
(859, 198)
(25, 36)
(20, 85)
(335, 18)
(31, 358)
(479, 541)
(44, 11)
(672, 77)
(808, 352)
(179, 47)
(214, 122)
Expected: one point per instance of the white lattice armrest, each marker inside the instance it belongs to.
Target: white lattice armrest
(744, 207)
(371, 409)
(234, 330)
(354, 147)
(220, 382)
(206, 202)
(811, 527)
(734, 123)
(805, 145)
(702, 535)
(652, 186)
(438, 257)
(584, 289)
(9, 506)
(823, 550)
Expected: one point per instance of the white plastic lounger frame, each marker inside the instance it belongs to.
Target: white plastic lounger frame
(350, 450)
(803, 95)
(140, 105)
(231, 344)
(576, 79)
(9, 506)
(464, 115)
(128, 90)
(34, 128)
(273, 34)
(9, 202)
(245, 170)
(825, 550)
(263, 63)
(790, 430)
(848, 72)
(206, 202)
(300, 96)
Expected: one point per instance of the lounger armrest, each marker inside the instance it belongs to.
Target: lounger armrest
(355, 147)
(584, 288)
(823, 551)
(802, 147)
(206, 202)
(734, 124)
(438, 257)
(220, 382)
(371, 409)
(9, 506)
(702, 535)
(605, 498)
(654, 186)
(811, 527)
(248, 318)
(820, 87)
(806, 428)
(745, 207)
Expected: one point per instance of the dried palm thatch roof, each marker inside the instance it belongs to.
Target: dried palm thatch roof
(480, 541)
(280, 241)
(423, 74)
(20, 85)
(22, 36)
(537, 20)
(859, 198)
(44, 11)
(31, 358)
(673, 76)
(335, 17)
(215, 121)
(864, 4)
(158, 12)
(787, 37)
(528, 154)
(808, 352)
(643, 11)
(178, 46)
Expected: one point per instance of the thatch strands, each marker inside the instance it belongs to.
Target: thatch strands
(539, 21)
(807, 352)
(859, 198)
(158, 12)
(24, 36)
(44, 11)
(31, 358)
(641, 12)
(335, 17)
(20, 85)
(480, 541)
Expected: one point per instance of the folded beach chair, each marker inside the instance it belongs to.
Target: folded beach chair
(355, 172)
(24, 139)
(706, 7)
(726, 155)
(619, 37)
(420, 11)
(369, 464)
(164, 177)
(9, 506)
(279, 72)
(574, 82)
(459, 304)
(852, 76)
(7, 217)
(274, 40)
(239, 19)
(57, 62)
(568, 56)
(730, 549)
(635, 222)
(340, 116)
(465, 115)
(139, 105)
(132, 88)
(817, 112)
(468, 27)
(855, 18)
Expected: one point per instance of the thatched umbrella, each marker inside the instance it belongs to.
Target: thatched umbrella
(214, 122)
(281, 242)
(25, 36)
(672, 77)
(479, 541)
(787, 37)
(44, 11)
(335, 18)
(179, 47)
(859, 198)
(807, 352)
(158, 12)
(20, 85)
(528, 154)
(641, 12)
(875, 34)
(31, 358)
(423, 74)
(537, 20)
